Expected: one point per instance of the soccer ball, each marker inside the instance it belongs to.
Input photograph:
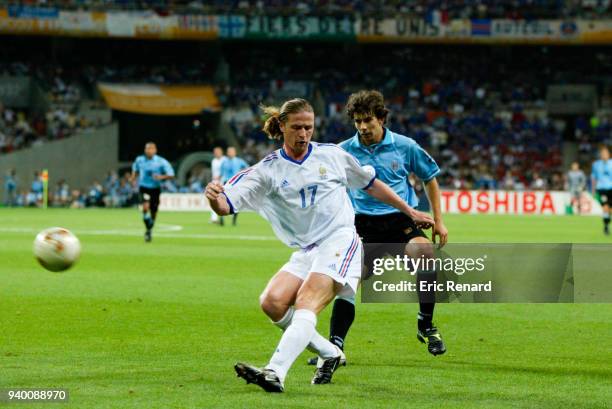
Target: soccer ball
(56, 249)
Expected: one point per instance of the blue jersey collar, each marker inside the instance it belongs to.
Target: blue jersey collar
(290, 159)
(386, 140)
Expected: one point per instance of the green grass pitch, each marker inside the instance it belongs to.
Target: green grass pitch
(160, 325)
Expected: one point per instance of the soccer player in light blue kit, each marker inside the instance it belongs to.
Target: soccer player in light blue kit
(151, 170)
(394, 157)
(230, 166)
(601, 176)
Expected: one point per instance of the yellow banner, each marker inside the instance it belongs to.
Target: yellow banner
(160, 99)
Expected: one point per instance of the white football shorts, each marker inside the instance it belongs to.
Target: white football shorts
(338, 256)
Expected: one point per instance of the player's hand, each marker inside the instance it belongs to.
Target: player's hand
(421, 219)
(213, 190)
(158, 176)
(441, 231)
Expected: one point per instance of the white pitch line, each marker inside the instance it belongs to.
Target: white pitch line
(167, 231)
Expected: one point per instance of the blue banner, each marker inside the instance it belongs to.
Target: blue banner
(33, 12)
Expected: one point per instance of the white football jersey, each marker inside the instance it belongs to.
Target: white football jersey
(215, 167)
(304, 201)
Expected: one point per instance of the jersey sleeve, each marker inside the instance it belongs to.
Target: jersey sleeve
(357, 176)
(167, 168)
(136, 165)
(420, 162)
(246, 189)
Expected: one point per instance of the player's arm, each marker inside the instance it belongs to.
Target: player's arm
(426, 168)
(246, 190)
(168, 172)
(433, 194)
(382, 192)
(358, 177)
(217, 199)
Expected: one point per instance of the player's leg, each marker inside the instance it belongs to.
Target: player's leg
(374, 230)
(152, 214)
(334, 265)
(420, 247)
(234, 219)
(577, 202)
(341, 320)
(343, 310)
(214, 217)
(145, 200)
(154, 204)
(314, 294)
(604, 199)
(279, 296)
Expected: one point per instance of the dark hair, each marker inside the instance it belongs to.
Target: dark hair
(276, 116)
(367, 102)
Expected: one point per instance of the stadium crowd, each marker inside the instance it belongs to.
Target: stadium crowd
(511, 9)
(480, 112)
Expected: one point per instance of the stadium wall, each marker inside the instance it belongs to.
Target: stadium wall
(553, 203)
(80, 159)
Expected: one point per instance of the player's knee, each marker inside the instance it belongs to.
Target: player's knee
(273, 303)
(313, 299)
(420, 247)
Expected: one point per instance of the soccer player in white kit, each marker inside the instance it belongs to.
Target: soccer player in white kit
(215, 169)
(301, 190)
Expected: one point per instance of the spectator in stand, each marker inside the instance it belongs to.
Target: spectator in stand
(10, 188)
(61, 196)
(36, 190)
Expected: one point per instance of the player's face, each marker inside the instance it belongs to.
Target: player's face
(231, 152)
(604, 154)
(217, 152)
(150, 150)
(297, 132)
(369, 127)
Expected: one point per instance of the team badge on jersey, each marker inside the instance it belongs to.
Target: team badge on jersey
(322, 173)
(395, 165)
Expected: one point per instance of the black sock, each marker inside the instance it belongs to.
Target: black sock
(606, 220)
(148, 222)
(427, 300)
(424, 318)
(342, 317)
(234, 219)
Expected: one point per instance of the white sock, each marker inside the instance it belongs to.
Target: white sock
(284, 322)
(213, 217)
(293, 342)
(322, 347)
(318, 344)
